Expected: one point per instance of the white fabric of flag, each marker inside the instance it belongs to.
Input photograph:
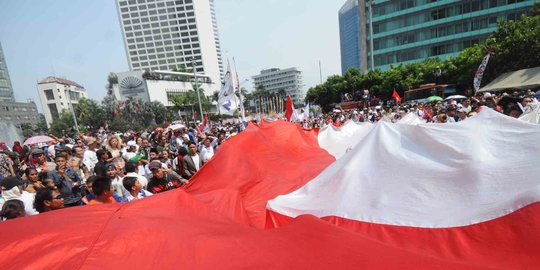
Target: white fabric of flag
(227, 100)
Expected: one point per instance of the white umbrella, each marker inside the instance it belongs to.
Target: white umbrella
(38, 139)
(455, 97)
(176, 126)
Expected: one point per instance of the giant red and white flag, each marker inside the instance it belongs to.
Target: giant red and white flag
(391, 196)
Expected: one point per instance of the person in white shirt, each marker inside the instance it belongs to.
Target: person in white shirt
(154, 155)
(132, 170)
(193, 161)
(466, 106)
(135, 189)
(207, 148)
(89, 157)
(130, 151)
(12, 189)
(116, 180)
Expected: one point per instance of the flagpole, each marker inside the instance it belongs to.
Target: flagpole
(242, 112)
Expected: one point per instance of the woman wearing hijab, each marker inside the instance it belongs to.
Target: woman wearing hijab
(18, 148)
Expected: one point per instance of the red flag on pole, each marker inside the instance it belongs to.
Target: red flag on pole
(396, 96)
(204, 125)
(194, 116)
(290, 113)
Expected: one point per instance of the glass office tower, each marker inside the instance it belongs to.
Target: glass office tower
(413, 30)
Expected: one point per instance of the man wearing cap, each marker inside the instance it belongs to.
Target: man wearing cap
(42, 165)
(12, 189)
(462, 114)
(163, 179)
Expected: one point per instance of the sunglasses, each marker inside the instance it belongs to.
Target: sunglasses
(58, 197)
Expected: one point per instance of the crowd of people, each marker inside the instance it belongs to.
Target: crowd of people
(103, 167)
(443, 111)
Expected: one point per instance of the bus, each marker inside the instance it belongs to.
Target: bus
(427, 90)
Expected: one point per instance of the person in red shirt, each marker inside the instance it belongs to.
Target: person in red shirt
(103, 191)
(163, 179)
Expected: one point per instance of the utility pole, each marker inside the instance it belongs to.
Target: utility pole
(68, 96)
(197, 88)
(371, 33)
(320, 71)
(363, 36)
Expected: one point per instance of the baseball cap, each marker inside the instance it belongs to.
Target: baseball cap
(110, 165)
(37, 152)
(10, 182)
(90, 140)
(154, 165)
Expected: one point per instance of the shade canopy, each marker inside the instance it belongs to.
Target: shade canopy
(521, 79)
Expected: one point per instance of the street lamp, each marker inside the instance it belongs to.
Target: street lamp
(197, 88)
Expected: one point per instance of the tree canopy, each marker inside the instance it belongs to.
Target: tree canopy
(513, 46)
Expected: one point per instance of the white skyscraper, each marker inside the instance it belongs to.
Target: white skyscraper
(168, 34)
(289, 80)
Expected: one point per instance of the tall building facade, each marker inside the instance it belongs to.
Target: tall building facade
(162, 86)
(170, 34)
(6, 90)
(19, 113)
(349, 35)
(57, 95)
(412, 30)
(274, 79)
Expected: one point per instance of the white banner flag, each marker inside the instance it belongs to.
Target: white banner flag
(227, 100)
(480, 72)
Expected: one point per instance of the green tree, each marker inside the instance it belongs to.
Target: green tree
(189, 98)
(111, 80)
(160, 113)
(90, 116)
(41, 126)
(27, 130)
(515, 45)
(63, 125)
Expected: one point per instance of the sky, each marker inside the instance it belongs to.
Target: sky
(81, 40)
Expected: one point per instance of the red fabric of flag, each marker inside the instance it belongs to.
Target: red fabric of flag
(289, 110)
(396, 96)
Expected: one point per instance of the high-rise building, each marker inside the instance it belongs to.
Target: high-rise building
(170, 34)
(6, 90)
(57, 95)
(412, 30)
(289, 80)
(19, 113)
(349, 35)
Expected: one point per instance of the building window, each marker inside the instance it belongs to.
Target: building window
(53, 110)
(49, 94)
